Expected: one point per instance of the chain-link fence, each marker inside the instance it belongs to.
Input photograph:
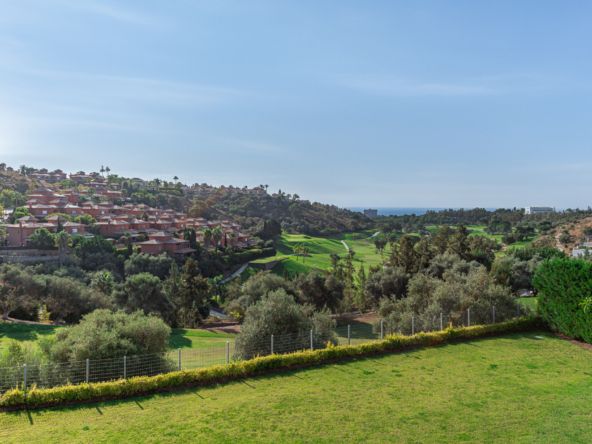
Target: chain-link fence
(96, 370)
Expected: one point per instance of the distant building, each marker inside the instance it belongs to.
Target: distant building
(370, 212)
(539, 210)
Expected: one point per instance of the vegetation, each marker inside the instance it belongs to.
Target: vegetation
(564, 288)
(444, 394)
(104, 334)
(241, 369)
(278, 314)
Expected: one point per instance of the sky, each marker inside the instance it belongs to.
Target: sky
(356, 103)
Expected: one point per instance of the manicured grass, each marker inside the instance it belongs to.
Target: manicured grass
(180, 337)
(479, 230)
(320, 250)
(518, 388)
(530, 302)
(196, 338)
(23, 332)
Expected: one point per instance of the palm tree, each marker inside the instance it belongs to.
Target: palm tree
(102, 170)
(107, 170)
(207, 237)
(62, 240)
(217, 236)
(175, 178)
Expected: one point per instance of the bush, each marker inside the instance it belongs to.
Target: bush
(107, 334)
(42, 239)
(564, 286)
(145, 263)
(35, 397)
(278, 314)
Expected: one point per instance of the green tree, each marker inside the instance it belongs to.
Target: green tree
(143, 291)
(290, 323)
(42, 239)
(105, 334)
(192, 298)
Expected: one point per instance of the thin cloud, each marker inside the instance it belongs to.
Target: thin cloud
(251, 146)
(390, 86)
(395, 87)
(111, 11)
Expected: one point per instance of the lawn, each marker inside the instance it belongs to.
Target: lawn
(519, 388)
(530, 302)
(320, 250)
(180, 337)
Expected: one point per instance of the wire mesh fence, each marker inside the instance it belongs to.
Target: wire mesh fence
(97, 370)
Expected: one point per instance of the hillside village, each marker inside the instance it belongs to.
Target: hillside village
(92, 206)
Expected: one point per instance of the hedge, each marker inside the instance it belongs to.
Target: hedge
(68, 394)
(563, 285)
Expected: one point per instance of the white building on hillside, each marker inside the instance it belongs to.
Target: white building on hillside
(539, 210)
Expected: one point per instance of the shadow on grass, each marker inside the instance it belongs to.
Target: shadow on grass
(25, 332)
(359, 330)
(178, 339)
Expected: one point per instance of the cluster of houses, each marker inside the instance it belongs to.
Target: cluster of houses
(153, 230)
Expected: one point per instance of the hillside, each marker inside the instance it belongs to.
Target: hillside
(250, 206)
(531, 387)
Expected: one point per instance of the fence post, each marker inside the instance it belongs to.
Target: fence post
(382, 329)
(412, 324)
(272, 344)
(125, 367)
(493, 313)
(348, 334)
(441, 321)
(25, 377)
(86, 379)
(468, 317)
(179, 360)
(311, 341)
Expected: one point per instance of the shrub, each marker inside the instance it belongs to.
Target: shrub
(278, 314)
(35, 397)
(563, 286)
(105, 334)
(145, 263)
(42, 239)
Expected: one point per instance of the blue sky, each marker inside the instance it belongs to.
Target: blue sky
(354, 103)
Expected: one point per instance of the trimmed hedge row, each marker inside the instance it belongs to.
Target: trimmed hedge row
(563, 286)
(68, 394)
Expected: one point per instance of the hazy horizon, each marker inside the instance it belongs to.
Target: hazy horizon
(438, 104)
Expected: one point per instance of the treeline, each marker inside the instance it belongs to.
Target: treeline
(509, 222)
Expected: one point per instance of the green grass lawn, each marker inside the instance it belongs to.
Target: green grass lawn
(479, 230)
(197, 338)
(180, 337)
(522, 388)
(23, 333)
(320, 250)
(530, 302)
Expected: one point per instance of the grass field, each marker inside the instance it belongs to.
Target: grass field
(180, 337)
(531, 302)
(520, 388)
(320, 250)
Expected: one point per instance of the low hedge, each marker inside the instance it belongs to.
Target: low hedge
(40, 397)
